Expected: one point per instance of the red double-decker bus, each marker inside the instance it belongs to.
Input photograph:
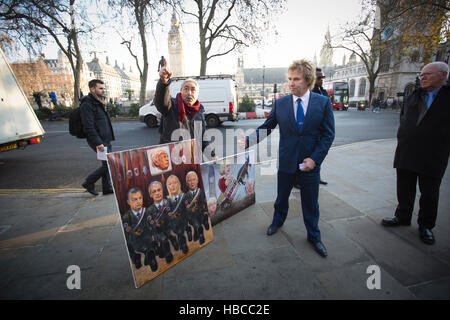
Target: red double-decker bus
(338, 92)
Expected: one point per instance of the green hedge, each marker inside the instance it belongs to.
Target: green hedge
(113, 110)
(247, 105)
(134, 109)
(64, 112)
(43, 113)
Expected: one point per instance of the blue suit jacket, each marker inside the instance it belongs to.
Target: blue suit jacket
(312, 141)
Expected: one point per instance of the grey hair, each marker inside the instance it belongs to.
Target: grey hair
(191, 172)
(154, 183)
(189, 80)
(441, 66)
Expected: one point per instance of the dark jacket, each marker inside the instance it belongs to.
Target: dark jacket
(322, 91)
(312, 141)
(168, 107)
(424, 135)
(96, 122)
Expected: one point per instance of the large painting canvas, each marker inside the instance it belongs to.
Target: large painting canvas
(229, 185)
(162, 205)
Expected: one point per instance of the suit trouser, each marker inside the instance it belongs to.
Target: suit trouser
(101, 172)
(406, 195)
(309, 193)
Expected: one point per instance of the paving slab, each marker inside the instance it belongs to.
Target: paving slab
(295, 208)
(205, 285)
(402, 260)
(433, 290)
(246, 231)
(350, 282)
(332, 207)
(277, 273)
(111, 278)
(341, 250)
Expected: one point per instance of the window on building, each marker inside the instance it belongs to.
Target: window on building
(362, 87)
(385, 61)
(352, 88)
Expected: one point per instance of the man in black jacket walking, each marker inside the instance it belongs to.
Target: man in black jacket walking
(99, 132)
(422, 150)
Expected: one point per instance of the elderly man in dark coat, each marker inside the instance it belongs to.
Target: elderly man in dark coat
(182, 112)
(423, 149)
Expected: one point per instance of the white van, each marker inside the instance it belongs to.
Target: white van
(217, 95)
(19, 126)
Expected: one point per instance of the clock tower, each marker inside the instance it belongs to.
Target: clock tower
(176, 54)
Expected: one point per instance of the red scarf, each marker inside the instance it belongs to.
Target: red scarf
(183, 108)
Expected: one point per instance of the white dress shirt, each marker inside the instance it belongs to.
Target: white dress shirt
(305, 102)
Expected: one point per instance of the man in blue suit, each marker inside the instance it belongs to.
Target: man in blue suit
(306, 125)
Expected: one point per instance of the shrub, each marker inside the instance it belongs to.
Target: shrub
(134, 109)
(64, 112)
(43, 113)
(247, 105)
(113, 110)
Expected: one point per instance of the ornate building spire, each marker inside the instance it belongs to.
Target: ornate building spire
(176, 54)
(326, 53)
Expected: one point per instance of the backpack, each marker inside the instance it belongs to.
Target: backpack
(75, 124)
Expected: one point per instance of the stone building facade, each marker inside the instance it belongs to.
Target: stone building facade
(49, 75)
(251, 81)
(55, 75)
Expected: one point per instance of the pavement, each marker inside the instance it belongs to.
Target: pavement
(43, 232)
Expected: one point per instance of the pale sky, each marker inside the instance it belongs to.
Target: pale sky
(301, 30)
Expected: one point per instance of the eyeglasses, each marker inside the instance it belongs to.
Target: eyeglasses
(428, 74)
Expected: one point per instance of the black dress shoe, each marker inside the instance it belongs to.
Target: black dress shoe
(201, 238)
(108, 191)
(90, 188)
(393, 222)
(184, 248)
(169, 258)
(323, 182)
(320, 248)
(150, 257)
(426, 235)
(272, 229)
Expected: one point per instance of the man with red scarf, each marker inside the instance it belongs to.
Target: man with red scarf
(181, 112)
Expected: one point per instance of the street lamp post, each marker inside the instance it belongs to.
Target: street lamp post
(264, 93)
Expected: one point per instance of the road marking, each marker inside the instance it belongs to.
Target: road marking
(41, 191)
(33, 239)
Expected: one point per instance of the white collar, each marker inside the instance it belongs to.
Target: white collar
(305, 97)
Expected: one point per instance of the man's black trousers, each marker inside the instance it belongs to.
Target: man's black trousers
(101, 172)
(406, 194)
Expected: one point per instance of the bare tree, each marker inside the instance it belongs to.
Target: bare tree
(142, 14)
(224, 25)
(33, 22)
(393, 28)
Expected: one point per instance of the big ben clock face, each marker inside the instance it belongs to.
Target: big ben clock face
(173, 43)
